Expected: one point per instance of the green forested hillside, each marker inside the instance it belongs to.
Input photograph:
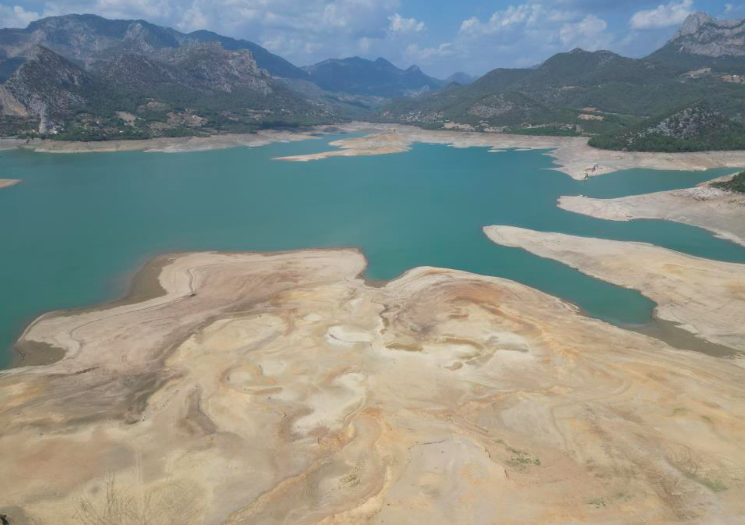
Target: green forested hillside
(593, 93)
(736, 183)
(698, 127)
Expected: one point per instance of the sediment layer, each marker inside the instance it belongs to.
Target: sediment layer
(721, 212)
(281, 388)
(702, 296)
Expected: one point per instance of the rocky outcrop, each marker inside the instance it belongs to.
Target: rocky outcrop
(703, 35)
(48, 88)
(210, 66)
(204, 67)
(687, 123)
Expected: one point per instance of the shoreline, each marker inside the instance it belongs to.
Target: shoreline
(701, 296)
(704, 206)
(573, 156)
(145, 285)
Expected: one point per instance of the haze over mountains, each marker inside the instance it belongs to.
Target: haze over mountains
(85, 77)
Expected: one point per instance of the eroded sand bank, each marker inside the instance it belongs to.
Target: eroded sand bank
(281, 388)
(6, 183)
(705, 297)
(721, 212)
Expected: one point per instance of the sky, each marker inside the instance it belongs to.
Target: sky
(442, 37)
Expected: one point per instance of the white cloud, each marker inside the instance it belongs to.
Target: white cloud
(524, 15)
(16, 16)
(426, 55)
(589, 33)
(400, 24)
(527, 34)
(731, 9)
(664, 15)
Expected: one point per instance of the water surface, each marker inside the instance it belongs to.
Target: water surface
(78, 226)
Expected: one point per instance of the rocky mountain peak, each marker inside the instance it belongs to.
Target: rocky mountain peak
(704, 35)
(693, 24)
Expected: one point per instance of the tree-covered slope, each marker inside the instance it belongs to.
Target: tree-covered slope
(697, 127)
(359, 76)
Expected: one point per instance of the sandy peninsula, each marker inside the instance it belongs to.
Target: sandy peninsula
(721, 212)
(282, 388)
(7, 183)
(704, 297)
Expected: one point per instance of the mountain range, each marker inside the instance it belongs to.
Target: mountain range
(678, 98)
(86, 77)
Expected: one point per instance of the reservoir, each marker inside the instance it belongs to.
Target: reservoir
(78, 226)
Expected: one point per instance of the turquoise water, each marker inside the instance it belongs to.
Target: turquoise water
(78, 226)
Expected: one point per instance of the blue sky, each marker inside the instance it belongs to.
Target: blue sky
(474, 36)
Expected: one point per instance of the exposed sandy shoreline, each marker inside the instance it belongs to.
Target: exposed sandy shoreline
(6, 183)
(718, 211)
(280, 388)
(176, 144)
(705, 297)
(572, 154)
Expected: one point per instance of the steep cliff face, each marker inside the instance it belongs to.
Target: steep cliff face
(203, 67)
(703, 35)
(208, 65)
(48, 88)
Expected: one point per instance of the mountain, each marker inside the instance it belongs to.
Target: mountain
(556, 93)
(160, 81)
(91, 41)
(459, 78)
(274, 64)
(198, 88)
(86, 77)
(603, 93)
(47, 88)
(705, 42)
(359, 76)
(205, 68)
